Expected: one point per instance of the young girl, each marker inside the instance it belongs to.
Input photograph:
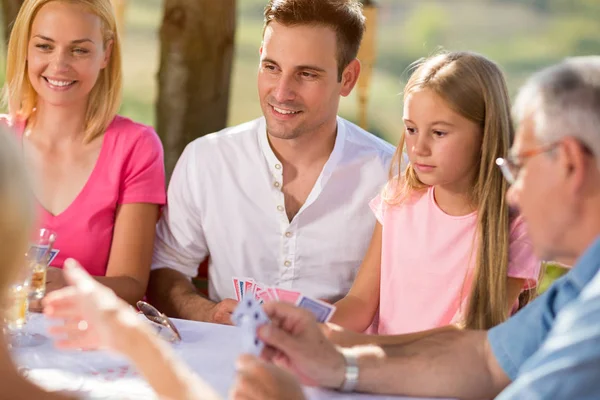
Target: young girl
(99, 177)
(446, 249)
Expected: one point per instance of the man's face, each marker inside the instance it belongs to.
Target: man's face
(298, 79)
(540, 194)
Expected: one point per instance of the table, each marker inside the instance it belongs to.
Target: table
(209, 349)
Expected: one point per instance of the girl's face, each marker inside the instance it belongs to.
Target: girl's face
(66, 53)
(443, 146)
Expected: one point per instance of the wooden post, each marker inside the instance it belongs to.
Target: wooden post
(10, 9)
(196, 56)
(367, 56)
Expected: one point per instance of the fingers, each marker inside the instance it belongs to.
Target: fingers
(288, 316)
(74, 327)
(61, 304)
(249, 384)
(246, 360)
(79, 343)
(278, 339)
(75, 275)
(36, 306)
(230, 304)
(74, 334)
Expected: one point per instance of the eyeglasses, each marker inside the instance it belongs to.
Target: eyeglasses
(511, 165)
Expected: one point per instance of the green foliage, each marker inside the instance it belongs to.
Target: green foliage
(426, 27)
(551, 273)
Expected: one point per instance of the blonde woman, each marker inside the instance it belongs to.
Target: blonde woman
(446, 250)
(99, 178)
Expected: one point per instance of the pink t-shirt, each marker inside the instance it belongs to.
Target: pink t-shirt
(427, 262)
(129, 169)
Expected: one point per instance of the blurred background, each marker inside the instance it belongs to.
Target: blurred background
(520, 35)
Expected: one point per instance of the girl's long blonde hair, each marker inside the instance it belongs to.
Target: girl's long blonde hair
(16, 211)
(104, 99)
(474, 87)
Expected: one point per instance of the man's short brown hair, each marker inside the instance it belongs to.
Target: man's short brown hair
(345, 17)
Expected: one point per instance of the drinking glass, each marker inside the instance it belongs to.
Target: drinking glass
(39, 257)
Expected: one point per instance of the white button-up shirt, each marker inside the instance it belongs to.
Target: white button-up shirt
(225, 202)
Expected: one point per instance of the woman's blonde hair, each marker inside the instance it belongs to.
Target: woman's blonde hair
(474, 87)
(105, 97)
(16, 210)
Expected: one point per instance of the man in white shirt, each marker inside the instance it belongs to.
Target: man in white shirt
(282, 199)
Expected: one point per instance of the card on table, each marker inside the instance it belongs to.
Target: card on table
(322, 310)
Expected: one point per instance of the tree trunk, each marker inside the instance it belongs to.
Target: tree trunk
(197, 42)
(10, 9)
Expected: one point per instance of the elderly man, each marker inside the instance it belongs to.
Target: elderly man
(550, 349)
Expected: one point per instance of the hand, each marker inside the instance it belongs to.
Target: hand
(220, 313)
(93, 316)
(295, 341)
(259, 380)
(55, 279)
(36, 306)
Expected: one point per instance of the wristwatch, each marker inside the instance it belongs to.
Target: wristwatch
(351, 374)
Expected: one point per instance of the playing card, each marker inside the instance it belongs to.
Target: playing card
(322, 311)
(238, 284)
(288, 296)
(273, 294)
(39, 251)
(249, 316)
(249, 285)
(263, 296)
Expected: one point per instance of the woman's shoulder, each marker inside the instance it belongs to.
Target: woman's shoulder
(132, 134)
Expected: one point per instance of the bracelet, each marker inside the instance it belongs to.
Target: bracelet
(351, 373)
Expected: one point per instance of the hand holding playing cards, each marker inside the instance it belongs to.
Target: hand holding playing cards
(295, 341)
(220, 313)
(92, 313)
(259, 380)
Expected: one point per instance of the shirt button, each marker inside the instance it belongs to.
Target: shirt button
(277, 166)
(288, 234)
(280, 208)
(276, 184)
(287, 263)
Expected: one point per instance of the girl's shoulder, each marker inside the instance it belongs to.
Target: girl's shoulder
(397, 193)
(517, 224)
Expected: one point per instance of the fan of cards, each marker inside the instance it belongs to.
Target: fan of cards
(247, 287)
(250, 316)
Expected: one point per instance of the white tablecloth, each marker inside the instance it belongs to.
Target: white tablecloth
(209, 349)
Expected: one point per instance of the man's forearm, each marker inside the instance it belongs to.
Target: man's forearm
(174, 294)
(453, 364)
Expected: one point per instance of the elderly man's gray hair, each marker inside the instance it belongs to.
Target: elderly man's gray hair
(564, 100)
